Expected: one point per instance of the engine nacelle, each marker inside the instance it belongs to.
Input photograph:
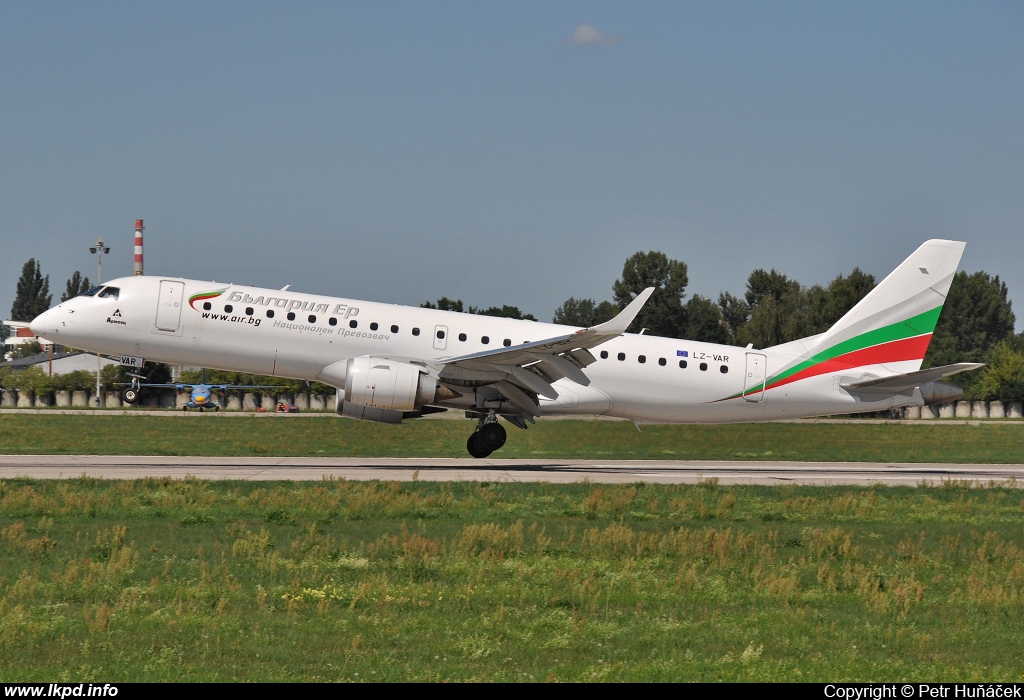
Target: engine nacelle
(396, 386)
(380, 390)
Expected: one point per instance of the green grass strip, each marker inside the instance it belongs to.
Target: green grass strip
(164, 580)
(328, 436)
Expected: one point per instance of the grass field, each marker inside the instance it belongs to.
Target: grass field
(189, 580)
(988, 442)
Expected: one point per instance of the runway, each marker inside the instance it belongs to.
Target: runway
(532, 470)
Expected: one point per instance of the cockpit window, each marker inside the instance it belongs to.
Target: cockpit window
(91, 292)
(109, 293)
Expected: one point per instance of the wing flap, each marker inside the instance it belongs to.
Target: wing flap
(561, 356)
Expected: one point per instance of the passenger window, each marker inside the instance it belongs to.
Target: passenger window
(604, 354)
(333, 321)
(682, 364)
(248, 311)
(621, 356)
(507, 342)
(641, 359)
(394, 329)
(462, 337)
(661, 361)
(724, 369)
(207, 306)
(227, 309)
(353, 323)
(270, 313)
(374, 326)
(415, 331)
(440, 335)
(291, 315)
(703, 366)
(311, 318)
(485, 340)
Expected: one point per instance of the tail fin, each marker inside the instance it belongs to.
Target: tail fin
(893, 323)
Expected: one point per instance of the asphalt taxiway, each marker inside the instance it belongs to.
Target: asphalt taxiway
(529, 470)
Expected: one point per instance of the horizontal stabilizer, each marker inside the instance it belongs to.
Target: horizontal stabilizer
(910, 380)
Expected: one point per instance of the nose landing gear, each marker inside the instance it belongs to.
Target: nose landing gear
(489, 436)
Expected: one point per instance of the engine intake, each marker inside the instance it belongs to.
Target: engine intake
(382, 390)
(396, 386)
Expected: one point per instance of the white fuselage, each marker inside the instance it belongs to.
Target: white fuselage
(295, 335)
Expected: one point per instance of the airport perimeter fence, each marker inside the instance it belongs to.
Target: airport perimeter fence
(167, 399)
(311, 402)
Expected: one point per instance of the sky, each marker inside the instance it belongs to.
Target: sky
(508, 153)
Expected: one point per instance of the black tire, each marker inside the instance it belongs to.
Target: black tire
(184, 409)
(474, 451)
(130, 396)
(490, 437)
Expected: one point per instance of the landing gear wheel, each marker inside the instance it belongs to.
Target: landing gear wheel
(130, 396)
(490, 437)
(184, 409)
(475, 451)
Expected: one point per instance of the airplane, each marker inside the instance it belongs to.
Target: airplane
(200, 395)
(390, 363)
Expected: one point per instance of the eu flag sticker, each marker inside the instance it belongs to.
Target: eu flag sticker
(681, 353)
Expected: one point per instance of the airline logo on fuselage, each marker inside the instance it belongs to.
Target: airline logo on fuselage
(204, 296)
(289, 304)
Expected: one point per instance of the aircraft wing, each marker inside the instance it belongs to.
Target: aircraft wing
(909, 380)
(520, 370)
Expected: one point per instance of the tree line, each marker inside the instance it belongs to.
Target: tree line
(33, 297)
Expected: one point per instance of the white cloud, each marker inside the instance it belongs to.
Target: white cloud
(588, 34)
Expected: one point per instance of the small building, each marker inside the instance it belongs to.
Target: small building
(21, 334)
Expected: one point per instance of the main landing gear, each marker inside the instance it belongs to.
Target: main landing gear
(489, 436)
(130, 395)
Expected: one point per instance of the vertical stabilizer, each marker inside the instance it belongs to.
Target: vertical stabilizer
(893, 323)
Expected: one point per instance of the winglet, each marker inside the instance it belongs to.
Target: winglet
(619, 324)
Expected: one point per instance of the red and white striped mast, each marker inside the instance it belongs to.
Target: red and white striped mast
(138, 246)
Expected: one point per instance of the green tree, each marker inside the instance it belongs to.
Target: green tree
(735, 313)
(444, 304)
(75, 286)
(32, 347)
(33, 296)
(584, 312)
(705, 322)
(664, 313)
(504, 311)
(778, 309)
(1002, 377)
(826, 305)
(975, 317)
(761, 284)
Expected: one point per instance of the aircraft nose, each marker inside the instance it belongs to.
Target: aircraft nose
(44, 324)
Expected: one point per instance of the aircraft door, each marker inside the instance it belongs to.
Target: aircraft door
(168, 307)
(754, 377)
(440, 337)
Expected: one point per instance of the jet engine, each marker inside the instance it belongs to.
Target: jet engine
(383, 390)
